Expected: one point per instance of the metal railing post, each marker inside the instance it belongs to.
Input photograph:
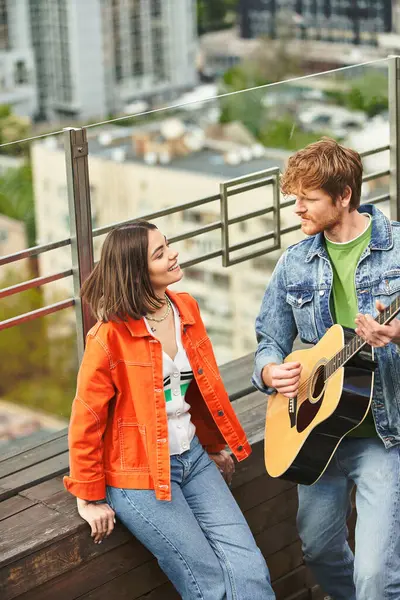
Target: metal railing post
(394, 126)
(76, 154)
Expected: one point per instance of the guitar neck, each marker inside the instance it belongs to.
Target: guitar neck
(357, 343)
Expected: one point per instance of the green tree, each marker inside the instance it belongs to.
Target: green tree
(269, 63)
(368, 93)
(16, 198)
(285, 134)
(13, 128)
(213, 15)
(17, 202)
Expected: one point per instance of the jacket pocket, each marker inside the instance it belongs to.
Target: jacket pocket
(302, 305)
(387, 285)
(132, 446)
(206, 352)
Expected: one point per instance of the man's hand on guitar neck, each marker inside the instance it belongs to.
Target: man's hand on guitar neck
(374, 334)
(284, 378)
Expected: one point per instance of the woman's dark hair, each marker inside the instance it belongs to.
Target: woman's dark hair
(119, 286)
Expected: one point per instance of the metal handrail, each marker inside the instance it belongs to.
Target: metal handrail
(33, 283)
(158, 214)
(35, 314)
(34, 251)
(366, 153)
(376, 175)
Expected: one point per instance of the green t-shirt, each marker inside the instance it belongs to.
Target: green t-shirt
(344, 258)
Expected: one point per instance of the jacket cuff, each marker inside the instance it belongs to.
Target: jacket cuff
(261, 361)
(86, 490)
(214, 448)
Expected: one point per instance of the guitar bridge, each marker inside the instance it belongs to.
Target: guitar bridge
(292, 411)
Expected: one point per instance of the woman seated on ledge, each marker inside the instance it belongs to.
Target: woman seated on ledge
(150, 422)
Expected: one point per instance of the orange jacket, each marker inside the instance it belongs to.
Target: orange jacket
(118, 432)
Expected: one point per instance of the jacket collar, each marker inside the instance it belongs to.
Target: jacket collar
(137, 327)
(381, 234)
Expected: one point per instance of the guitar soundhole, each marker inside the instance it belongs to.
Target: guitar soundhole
(310, 407)
(318, 382)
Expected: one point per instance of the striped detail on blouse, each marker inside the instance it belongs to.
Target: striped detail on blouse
(185, 378)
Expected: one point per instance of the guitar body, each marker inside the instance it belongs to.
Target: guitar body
(302, 434)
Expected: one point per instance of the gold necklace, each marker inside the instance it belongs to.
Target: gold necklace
(164, 316)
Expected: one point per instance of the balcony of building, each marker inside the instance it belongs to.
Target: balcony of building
(214, 190)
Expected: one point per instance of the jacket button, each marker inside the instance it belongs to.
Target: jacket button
(184, 329)
(240, 448)
(220, 413)
(200, 371)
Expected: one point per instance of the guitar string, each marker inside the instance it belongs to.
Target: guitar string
(386, 314)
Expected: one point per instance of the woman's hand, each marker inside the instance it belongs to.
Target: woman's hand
(225, 464)
(100, 517)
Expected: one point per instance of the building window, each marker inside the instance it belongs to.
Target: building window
(63, 86)
(195, 274)
(4, 39)
(221, 281)
(156, 8)
(21, 73)
(158, 42)
(117, 40)
(136, 37)
(192, 216)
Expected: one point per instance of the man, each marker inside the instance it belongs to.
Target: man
(346, 271)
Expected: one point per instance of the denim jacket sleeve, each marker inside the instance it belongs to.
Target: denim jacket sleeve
(275, 326)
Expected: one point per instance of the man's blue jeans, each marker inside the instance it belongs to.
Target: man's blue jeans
(200, 539)
(374, 573)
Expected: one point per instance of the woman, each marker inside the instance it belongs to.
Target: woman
(150, 422)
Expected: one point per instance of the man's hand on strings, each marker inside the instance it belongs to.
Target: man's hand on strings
(374, 334)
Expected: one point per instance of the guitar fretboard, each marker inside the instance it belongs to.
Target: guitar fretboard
(355, 345)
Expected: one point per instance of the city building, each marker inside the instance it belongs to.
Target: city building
(12, 239)
(17, 65)
(68, 59)
(12, 236)
(349, 21)
(220, 50)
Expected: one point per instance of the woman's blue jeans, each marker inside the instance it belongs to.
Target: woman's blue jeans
(374, 573)
(200, 538)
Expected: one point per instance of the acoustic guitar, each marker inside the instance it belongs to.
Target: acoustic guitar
(334, 396)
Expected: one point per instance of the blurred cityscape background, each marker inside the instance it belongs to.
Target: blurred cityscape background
(178, 96)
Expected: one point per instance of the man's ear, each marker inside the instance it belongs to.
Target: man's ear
(346, 198)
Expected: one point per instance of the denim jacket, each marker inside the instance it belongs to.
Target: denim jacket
(296, 302)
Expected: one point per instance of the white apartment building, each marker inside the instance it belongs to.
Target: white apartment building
(17, 65)
(12, 236)
(95, 57)
(12, 239)
(123, 186)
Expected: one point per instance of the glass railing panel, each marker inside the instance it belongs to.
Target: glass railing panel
(151, 162)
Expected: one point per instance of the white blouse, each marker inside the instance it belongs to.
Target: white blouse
(177, 376)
